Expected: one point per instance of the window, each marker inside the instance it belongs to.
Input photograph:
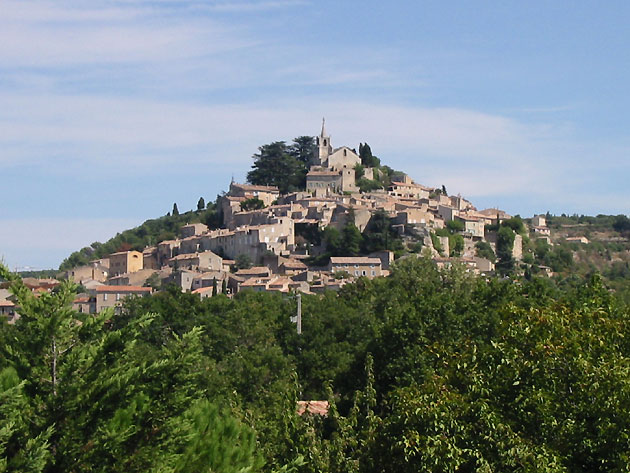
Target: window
(363, 272)
(104, 297)
(373, 273)
(117, 297)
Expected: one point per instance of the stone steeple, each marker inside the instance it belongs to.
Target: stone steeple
(324, 149)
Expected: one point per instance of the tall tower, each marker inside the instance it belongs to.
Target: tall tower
(324, 149)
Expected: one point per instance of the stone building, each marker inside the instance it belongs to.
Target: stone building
(125, 262)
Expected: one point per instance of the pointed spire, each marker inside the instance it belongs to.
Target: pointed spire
(323, 127)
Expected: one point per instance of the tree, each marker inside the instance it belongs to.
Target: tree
(274, 166)
(333, 240)
(98, 398)
(368, 185)
(153, 281)
(505, 245)
(484, 250)
(351, 240)
(252, 204)
(444, 190)
(303, 149)
(367, 159)
(201, 204)
(175, 210)
(243, 261)
(455, 226)
(516, 224)
(456, 244)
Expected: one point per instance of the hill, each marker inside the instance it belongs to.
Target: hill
(149, 233)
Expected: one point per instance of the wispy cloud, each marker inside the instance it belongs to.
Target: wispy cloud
(43, 34)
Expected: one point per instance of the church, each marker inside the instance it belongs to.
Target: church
(332, 170)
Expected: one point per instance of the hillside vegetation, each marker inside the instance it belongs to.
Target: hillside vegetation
(149, 233)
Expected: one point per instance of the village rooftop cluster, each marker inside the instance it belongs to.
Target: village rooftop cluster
(203, 261)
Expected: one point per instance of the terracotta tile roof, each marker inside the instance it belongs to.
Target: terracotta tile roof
(203, 290)
(6, 304)
(254, 271)
(294, 265)
(121, 289)
(354, 259)
(313, 407)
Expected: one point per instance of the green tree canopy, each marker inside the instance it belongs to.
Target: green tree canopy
(89, 397)
(303, 149)
(275, 166)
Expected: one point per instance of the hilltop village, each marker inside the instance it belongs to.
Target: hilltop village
(266, 242)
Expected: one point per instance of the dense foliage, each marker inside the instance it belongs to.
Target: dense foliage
(426, 370)
(281, 165)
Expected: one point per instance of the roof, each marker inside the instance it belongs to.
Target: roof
(294, 264)
(120, 289)
(124, 253)
(203, 290)
(313, 407)
(6, 304)
(406, 184)
(248, 187)
(254, 271)
(323, 173)
(354, 259)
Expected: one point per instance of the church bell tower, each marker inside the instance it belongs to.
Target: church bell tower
(324, 149)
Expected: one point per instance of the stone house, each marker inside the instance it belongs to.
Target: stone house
(112, 296)
(325, 181)
(209, 279)
(356, 265)
(125, 262)
(93, 271)
(496, 216)
(7, 309)
(447, 212)
(192, 229)
(197, 261)
(268, 194)
(254, 241)
(408, 189)
(150, 258)
(182, 278)
(539, 221)
(166, 250)
(473, 226)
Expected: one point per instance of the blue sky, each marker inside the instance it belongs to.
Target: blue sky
(110, 111)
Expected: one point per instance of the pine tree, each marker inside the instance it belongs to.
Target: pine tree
(175, 210)
(201, 204)
(77, 394)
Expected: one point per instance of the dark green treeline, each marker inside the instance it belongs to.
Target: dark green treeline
(424, 370)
